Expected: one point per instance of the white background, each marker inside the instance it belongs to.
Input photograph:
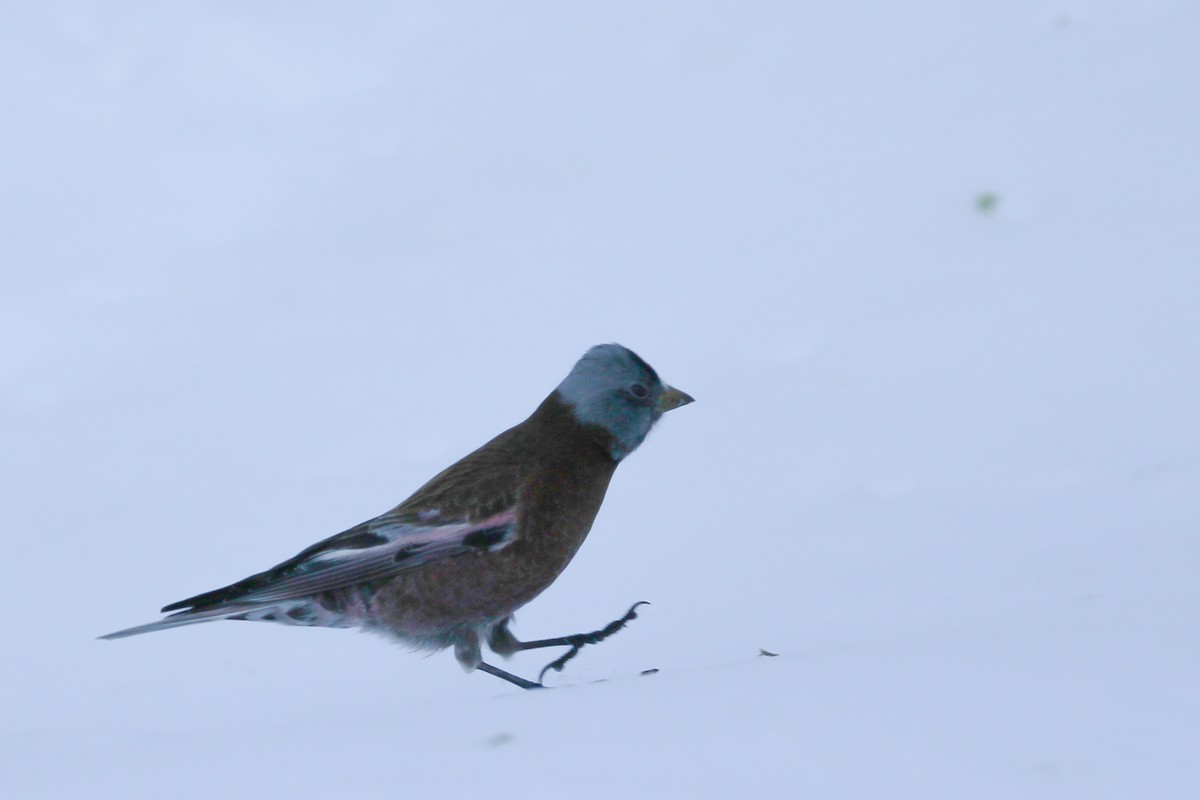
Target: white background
(266, 267)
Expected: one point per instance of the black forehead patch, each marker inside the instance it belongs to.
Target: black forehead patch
(642, 363)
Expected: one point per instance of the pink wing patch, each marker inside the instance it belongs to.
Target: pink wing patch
(398, 547)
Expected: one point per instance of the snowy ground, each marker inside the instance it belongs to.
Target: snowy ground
(931, 269)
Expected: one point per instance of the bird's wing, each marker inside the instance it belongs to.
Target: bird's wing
(379, 548)
(470, 507)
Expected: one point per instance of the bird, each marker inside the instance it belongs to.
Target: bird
(450, 565)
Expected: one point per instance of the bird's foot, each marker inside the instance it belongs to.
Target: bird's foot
(578, 640)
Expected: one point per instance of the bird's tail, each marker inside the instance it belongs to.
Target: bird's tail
(183, 618)
(346, 611)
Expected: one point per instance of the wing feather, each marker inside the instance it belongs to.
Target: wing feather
(388, 545)
(404, 547)
(469, 507)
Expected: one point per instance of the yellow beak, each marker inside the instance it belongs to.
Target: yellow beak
(672, 398)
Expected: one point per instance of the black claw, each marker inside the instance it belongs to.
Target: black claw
(557, 664)
(578, 640)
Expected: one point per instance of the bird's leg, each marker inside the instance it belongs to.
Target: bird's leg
(508, 676)
(503, 642)
(466, 650)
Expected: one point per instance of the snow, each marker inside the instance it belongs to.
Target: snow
(266, 268)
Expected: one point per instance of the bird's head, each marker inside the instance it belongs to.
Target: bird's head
(612, 387)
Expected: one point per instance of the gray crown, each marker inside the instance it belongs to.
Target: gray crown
(613, 388)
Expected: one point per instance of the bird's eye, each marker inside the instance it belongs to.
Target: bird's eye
(639, 391)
